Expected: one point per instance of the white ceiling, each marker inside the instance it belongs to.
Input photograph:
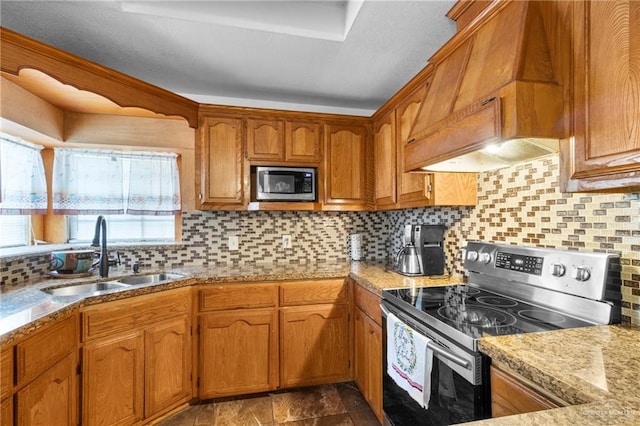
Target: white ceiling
(327, 56)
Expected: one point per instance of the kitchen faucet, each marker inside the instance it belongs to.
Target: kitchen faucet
(101, 224)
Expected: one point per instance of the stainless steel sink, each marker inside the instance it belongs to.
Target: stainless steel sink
(90, 289)
(149, 279)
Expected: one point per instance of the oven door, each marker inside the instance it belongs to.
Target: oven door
(459, 383)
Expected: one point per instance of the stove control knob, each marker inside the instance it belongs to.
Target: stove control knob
(581, 273)
(484, 257)
(472, 256)
(558, 269)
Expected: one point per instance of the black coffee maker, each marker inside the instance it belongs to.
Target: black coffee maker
(428, 241)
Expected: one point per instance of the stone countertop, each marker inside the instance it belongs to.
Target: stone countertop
(596, 369)
(26, 308)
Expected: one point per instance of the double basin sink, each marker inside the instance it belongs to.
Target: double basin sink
(124, 283)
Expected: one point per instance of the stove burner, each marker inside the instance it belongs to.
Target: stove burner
(542, 316)
(496, 301)
(476, 315)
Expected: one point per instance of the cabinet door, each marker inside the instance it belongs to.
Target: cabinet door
(385, 162)
(411, 186)
(368, 360)
(314, 345)
(238, 352)
(374, 372)
(303, 141)
(265, 139)
(113, 380)
(219, 178)
(6, 412)
(167, 365)
(346, 161)
(360, 352)
(605, 152)
(51, 399)
(451, 189)
(6, 372)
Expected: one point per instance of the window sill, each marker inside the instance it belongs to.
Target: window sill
(16, 253)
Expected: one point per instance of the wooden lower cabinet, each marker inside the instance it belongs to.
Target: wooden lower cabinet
(51, 399)
(6, 412)
(238, 352)
(314, 345)
(509, 396)
(368, 360)
(113, 380)
(167, 365)
(136, 357)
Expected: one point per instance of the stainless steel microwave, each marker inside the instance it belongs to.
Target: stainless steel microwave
(285, 183)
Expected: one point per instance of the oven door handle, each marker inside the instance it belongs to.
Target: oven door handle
(439, 349)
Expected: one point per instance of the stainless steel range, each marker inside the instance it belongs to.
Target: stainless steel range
(510, 290)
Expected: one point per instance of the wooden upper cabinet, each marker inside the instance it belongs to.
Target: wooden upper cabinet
(303, 141)
(265, 139)
(385, 153)
(219, 177)
(411, 186)
(605, 150)
(451, 189)
(347, 158)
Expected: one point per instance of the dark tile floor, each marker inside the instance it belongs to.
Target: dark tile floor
(327, 405)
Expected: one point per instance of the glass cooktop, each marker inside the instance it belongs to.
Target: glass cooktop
(475, 312)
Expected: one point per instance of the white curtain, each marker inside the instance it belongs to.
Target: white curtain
(87, 181)
(112, 182)
(22, 178)
(154, 185)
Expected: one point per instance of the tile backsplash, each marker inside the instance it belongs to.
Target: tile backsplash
(523, 205)
(516, 205)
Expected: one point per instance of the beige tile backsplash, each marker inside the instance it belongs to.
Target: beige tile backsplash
(516, 205)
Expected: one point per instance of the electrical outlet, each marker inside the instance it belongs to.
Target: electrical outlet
(233, 242)
(286, 241)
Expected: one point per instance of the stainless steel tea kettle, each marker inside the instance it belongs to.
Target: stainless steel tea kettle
(408, 258)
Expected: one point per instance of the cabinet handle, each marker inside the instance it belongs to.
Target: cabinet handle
(412, 140)
(486, 101)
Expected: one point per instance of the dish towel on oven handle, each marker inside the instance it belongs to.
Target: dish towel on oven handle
(409, 360)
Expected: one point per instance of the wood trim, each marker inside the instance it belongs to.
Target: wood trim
(20, 52)
(455, 137)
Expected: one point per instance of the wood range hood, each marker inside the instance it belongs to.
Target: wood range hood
(495, 87)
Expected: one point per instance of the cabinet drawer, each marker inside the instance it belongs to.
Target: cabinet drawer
(45, 348)
(368, 302)
(511, 396)
(108, 318)
(6, 372)
(238, 296)
(313, 292)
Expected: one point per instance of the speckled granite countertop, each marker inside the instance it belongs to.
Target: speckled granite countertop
(26, 308)
(597, 368)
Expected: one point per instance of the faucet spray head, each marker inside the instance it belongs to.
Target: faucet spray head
(96, 235)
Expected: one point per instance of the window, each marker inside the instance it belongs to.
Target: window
(15, 230)
(123, 228)
(138, 193)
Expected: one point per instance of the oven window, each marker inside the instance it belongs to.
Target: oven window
(279, 184)
(453, 400)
